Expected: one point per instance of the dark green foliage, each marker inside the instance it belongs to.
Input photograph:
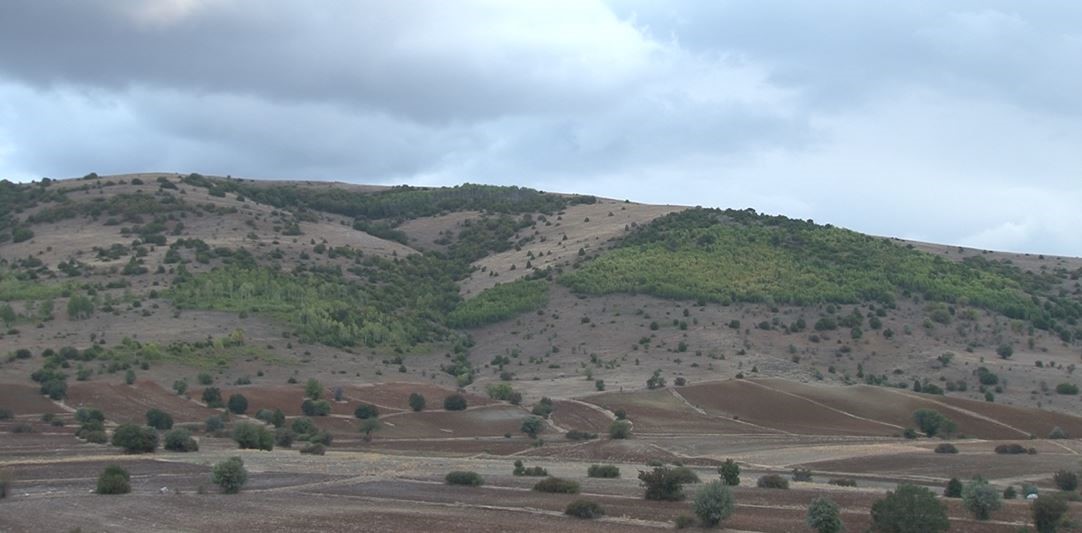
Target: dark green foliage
(1058, 433)
(730, 472)
(303, 426)
(230, 475)
(365, 411)
(283, 437)
(544, 407)
(685, 474)
(620, 429)
(662, 483)
(946, 447)
(823, 516)
(114, 480)
(586, 509)
(1048, 513)
(843, 482)
(135, 439)
(603, 471)
(6, 414)
(80, 307)
(713, 503)
(981, 499)
(557, 485)
(237, 404)
(253, 436)
(933, 423)
(576, 434)
(212, 396)
(528, 471)
(158, 419)
(455, 402)
(1010, 493)
(416, 401)
(1067, 389)
(909, 509)
(741, 256)
(772, 481)
(1066, 480)
(532, 425)
(180, 440)
(683, 521)
(802, 474)
(987, 377)
(500, 302)
(315, 408)
(1010, 449)
(214, 424)
(458, 477)
(89, 414)
(954, 488)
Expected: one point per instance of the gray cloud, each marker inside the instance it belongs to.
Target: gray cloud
(947, 122)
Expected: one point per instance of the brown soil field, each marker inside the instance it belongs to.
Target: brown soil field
(396, 395)
(659, 411)
(933, 466)
(574, 415)
(495, 420)
(1039, 422)
(129, 403)
(26, 400)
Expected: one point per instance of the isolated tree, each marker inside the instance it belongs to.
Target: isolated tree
(532, 425)
(158, 419)
(1066, 480)
(135, 439)
(455, 402)
(417, 401)
(180, 440)
(981, 499)
(212, 396)
(620, 429)
(932, 422)
(230, 475)
(662, 483)
(1048, 513)
(238, 404)
(730, 472)
(953, 489)
(713, 503)
(253, 436)
(114, 480)
(369, 426)
(313, 389)
(909, 509)
(655, 381)
(823, 516)
(366, 411)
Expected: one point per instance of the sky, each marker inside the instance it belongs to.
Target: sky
(954, 122)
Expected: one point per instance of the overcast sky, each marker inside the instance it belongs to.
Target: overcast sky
(957, 122)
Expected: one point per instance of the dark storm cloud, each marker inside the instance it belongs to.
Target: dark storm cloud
(932, 120)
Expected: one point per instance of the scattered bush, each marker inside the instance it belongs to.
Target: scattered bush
(557, 485)
(238, 404)
(532, 425)
(314, 449)
(303, 426)
(214, 424)
(250, 436)
(1048, 513)
(575, 434)
(685, 474)
(713, 503)
(1067, 388)
(683, 521)
(1010, 449)
(946, 447)
(772, 481)
(802, 474)
(135, 439)
(158, 419)
(586, 509)
(933, 423)
(730, 472)
(953, 488)
(6, 480)
(1058, 433)
(981, 499)
(315, 407)
(603, 471)
(455, 402)
(823, 516)
(416, 401)
(620, 429)
(114, 480)
(662, 484)
(1066, 480)
(6, 414)
(1010, 493)
(180, 440)
(212, 396)
(365, 411)
(909, 508)
(22, 427)
(843, 482)
(460, 477)
(230, 475)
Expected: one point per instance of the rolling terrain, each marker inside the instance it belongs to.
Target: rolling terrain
(716, 334)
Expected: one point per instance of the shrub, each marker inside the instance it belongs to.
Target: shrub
(1010, 493)
(22, 427)
(603, 471)
(953, 488)
(500, 391)
(214, 424)
(980, 498)
(575, 434)
(557, 485)
(6, 480)
(587, 509)
(1010, 449)
(283, 437)
(158, 419)
(772, 481)
(314, 449)
(368, 427)
(843, 482)
(1048, 513)
(932, 422)
(135, 439)
(313, 390)
(6, 414)
(532, 425)
(946, 447)
(461, 477)
(212, 396)
(180, 440)
(620, 429)
(685, 474)
(455, 402)
(683, 521)
(823, 516)
(365, 411)
(543, 408)
(662, 484)
(1058, 433)
(238, 404)
(84, 415)
(251, 436)
(416, 401)
(230, 475)
(909, 508)
(315, 407)
(533, 471)
(96, 436)
(114, 480)
(730, 472)
(802, 474)
(713, 503)
(1066, 480)
(1067, 388)
(303, 426)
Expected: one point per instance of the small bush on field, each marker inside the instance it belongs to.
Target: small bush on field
(230, 475)
(158, 419)
(460, 477)
(662, 483)
(532, 471)
(1066, 480)
(135, 439)
(214, 424)
(620, 429)
(314, 449)
(772, 481)
(180, 440)
(584, 509)
(802, 474)
(6, 414)
(1010, 449)
(575, 434)
(843, 482)
(114, 480)
(253, 436)
(946, 447)
(683, 521)
(557, 485)
(603, 471)
(455, 402)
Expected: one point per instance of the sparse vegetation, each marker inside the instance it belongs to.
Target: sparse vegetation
(230, 475)
(459, 477)
(114, 480)
(909, 509)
